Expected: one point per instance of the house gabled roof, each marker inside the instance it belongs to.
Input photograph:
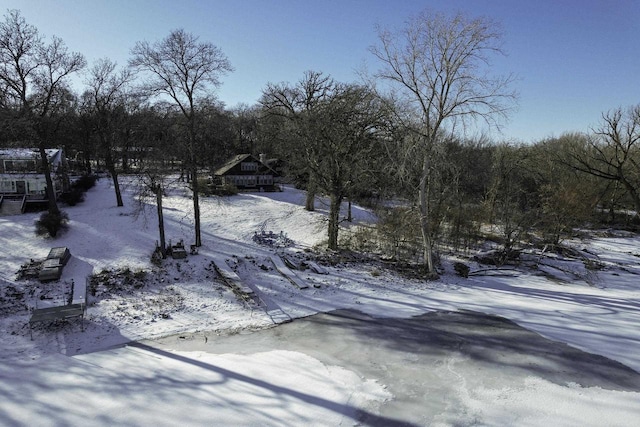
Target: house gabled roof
(29, 154)
(234, 161)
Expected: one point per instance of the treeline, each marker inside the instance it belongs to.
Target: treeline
(516, 195)
(393, 140)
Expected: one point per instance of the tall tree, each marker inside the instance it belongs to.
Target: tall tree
(153, 149)
(34, 75)
(107, 93)
(184, 70)
(343, 158)
(567, 197)
(152, 182)
(512, 200)
(216, 136)
(338, 133)
(439, 67)
(299, 104)
(244, 120)
(612, 153)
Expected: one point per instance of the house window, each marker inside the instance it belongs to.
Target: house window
(19, 165)
(265, 180)
(7, 186)
(249, 166)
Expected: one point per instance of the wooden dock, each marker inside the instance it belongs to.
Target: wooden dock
(287, 273)
(233, 281)
(250, 293)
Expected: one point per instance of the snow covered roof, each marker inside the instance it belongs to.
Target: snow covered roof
(234, 161)
(231, 163)
(29, 153)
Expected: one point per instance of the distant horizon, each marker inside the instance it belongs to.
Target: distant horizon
(574, 60)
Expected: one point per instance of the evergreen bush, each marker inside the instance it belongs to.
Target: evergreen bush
(73, 196)
(85, 182)
(52, 223)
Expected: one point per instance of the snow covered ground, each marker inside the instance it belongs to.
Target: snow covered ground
(66, 376)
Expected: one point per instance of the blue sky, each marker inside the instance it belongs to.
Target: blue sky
(574, 59)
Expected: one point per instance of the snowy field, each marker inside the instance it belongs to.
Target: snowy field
(66, 376)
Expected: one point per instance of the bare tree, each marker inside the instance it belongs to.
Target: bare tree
(153, 134)
(34, 77)
(613, 152)
(244, 123)
(184, 70)
(438, 65)
(337, 128)
(299, 105)
(152, 183)
(108, 94)
(512, 199)
(567, 198)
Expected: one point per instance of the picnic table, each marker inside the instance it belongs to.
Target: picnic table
(61, 312)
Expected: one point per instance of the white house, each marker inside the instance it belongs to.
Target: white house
(21, 172)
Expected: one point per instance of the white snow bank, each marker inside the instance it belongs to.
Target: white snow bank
(138, 386)
(542, 403)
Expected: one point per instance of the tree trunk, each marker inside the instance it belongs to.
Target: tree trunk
(194, 174)
(425, 226)
(349, 213)
(196, 204)
(310, 202)
(633, 192)
(116, 186)
(51, 192)
(125, 160)
(111, 167)
(163, 246)
(334, 220)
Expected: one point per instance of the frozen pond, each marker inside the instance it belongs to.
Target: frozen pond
(448, 368)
